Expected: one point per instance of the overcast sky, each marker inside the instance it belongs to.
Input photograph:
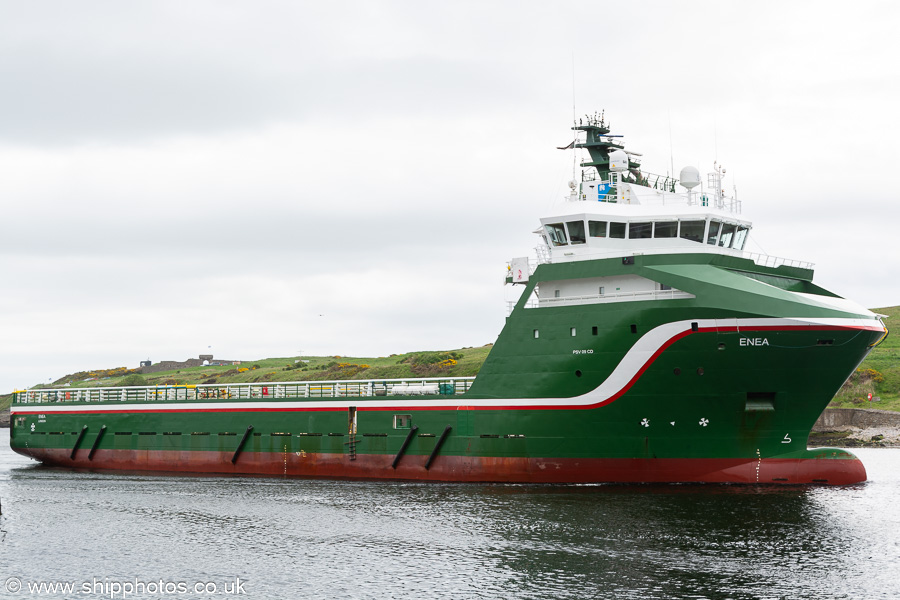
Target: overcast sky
(260, 179)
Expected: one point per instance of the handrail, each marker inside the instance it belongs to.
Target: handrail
(764, 260)
(617, 296)
(353, 388)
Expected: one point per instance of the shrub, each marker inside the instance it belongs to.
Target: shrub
(859, 385)
(132, 380)
(431, 363)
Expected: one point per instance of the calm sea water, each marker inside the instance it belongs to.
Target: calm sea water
(219, 537)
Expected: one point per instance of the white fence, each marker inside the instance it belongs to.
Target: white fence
(300, 389)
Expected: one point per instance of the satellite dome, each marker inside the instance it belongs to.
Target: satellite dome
(618, 161)
(689, 177)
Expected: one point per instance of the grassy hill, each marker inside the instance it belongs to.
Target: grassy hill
(451, 363)
(879, 374)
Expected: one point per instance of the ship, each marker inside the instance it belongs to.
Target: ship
(646, 346)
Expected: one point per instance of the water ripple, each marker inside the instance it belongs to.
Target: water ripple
(327, 539)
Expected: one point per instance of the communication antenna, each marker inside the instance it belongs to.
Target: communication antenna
(574, 131)
(716, 139)
(671, 152)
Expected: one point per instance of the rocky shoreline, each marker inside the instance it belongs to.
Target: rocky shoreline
(856, 428)
(862, 438)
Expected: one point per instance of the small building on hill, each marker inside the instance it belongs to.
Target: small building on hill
(171, 365)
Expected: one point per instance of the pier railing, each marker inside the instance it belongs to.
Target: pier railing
(360, 388)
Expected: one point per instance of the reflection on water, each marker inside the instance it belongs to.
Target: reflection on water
(377, 539)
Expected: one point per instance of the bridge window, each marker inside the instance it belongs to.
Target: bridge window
(692, 230)
(557, 234)
(727, 235)
(617, 230)
(576, 231)
(597, 228)
(740, 238)
(713, 236)
(640, 231)
(666, 229)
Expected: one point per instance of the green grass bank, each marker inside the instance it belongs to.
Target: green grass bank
(878, 375)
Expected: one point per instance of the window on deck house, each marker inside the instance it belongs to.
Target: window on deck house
(727, 235)
(557, 234)
(617, 230)
(692, 230)
(740, 238)
(640, 231)
(576, 231)
(713, 236)
(597, 228)
(665, 229)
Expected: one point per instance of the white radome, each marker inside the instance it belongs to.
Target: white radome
(618, 161)
(689, 177)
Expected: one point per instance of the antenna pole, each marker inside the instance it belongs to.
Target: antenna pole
(574, 131)
(671, 152)
(716, 138)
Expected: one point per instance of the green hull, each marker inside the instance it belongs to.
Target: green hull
(721, 385)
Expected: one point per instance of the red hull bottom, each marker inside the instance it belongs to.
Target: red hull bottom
(826, 466)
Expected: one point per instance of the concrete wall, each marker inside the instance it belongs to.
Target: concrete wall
(835, 419)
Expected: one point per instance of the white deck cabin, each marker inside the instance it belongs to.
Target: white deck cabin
(617, 218)
(603, 219)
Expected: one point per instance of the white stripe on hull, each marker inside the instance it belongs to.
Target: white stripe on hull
(631, 364)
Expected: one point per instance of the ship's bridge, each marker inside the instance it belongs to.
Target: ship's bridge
(635, 219)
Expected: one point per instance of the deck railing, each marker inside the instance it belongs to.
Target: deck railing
(615, 297)
(359, 388)
(764, 260)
